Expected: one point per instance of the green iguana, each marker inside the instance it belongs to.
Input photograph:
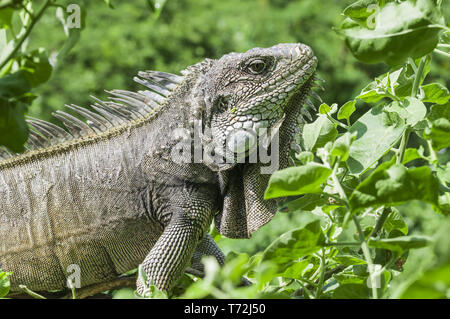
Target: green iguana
(119, 189)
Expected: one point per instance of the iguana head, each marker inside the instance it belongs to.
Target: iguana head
(243, 95)
(246, 93)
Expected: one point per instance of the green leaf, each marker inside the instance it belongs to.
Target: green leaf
(341, 146)
(397, 82)
(401, 30)
(14, 97)
(326, 109)
(305, 157)
(392, 184)
(295, 271)
(439, 111)
(344, 279)
(408, 75)
(412, 154)
(439, 133)
(400, 244)
(318, 133)
(108, 2)
(305, 203)
(411, 110)
(37, 67)
(4, 283)
(295, 244)
(14, 85)
(375, 125)
(443, 173)
(346, 110)
(360, 10)
(433, 284)
(435, 93)
(349, 260)
(6, 17)
(297, 180)
(351, 291)
(395, 222)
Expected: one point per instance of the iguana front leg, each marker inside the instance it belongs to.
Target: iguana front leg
(207, 247)
(171, 254)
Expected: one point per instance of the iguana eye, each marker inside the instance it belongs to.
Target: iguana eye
(257, 66)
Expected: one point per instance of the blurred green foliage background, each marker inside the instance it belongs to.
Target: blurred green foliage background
(116, 43)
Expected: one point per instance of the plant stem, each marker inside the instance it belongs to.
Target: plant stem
(348, 243)
(380, 222)
(367, 257)
(393, 97)
(442, 53)
(19, 43)
(389, 263)
(418, 77)
(285, 285)
(31, 293)
(337, 183)
(433, 155)
(309, 282)
(304, 289)
(403, 142)
(328, 275)
(337, 122)
(74, 294)
(24, 7)
(323, 264)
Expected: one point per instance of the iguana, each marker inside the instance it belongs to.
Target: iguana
(112, 191)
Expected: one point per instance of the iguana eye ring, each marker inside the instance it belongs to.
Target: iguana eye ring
(257, 66)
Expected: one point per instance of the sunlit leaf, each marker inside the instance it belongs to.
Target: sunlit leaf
(297, 180)
(318, 133)
(401, 30)
(377, 132)
(393, 184)
(436, 93)
(297, 243)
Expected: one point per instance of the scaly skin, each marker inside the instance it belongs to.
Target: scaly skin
(115, 194)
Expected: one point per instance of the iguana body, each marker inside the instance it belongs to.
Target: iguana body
(113, 194)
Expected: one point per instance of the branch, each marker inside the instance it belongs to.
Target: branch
(26, 34)
(92, 290)
(328, 274)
